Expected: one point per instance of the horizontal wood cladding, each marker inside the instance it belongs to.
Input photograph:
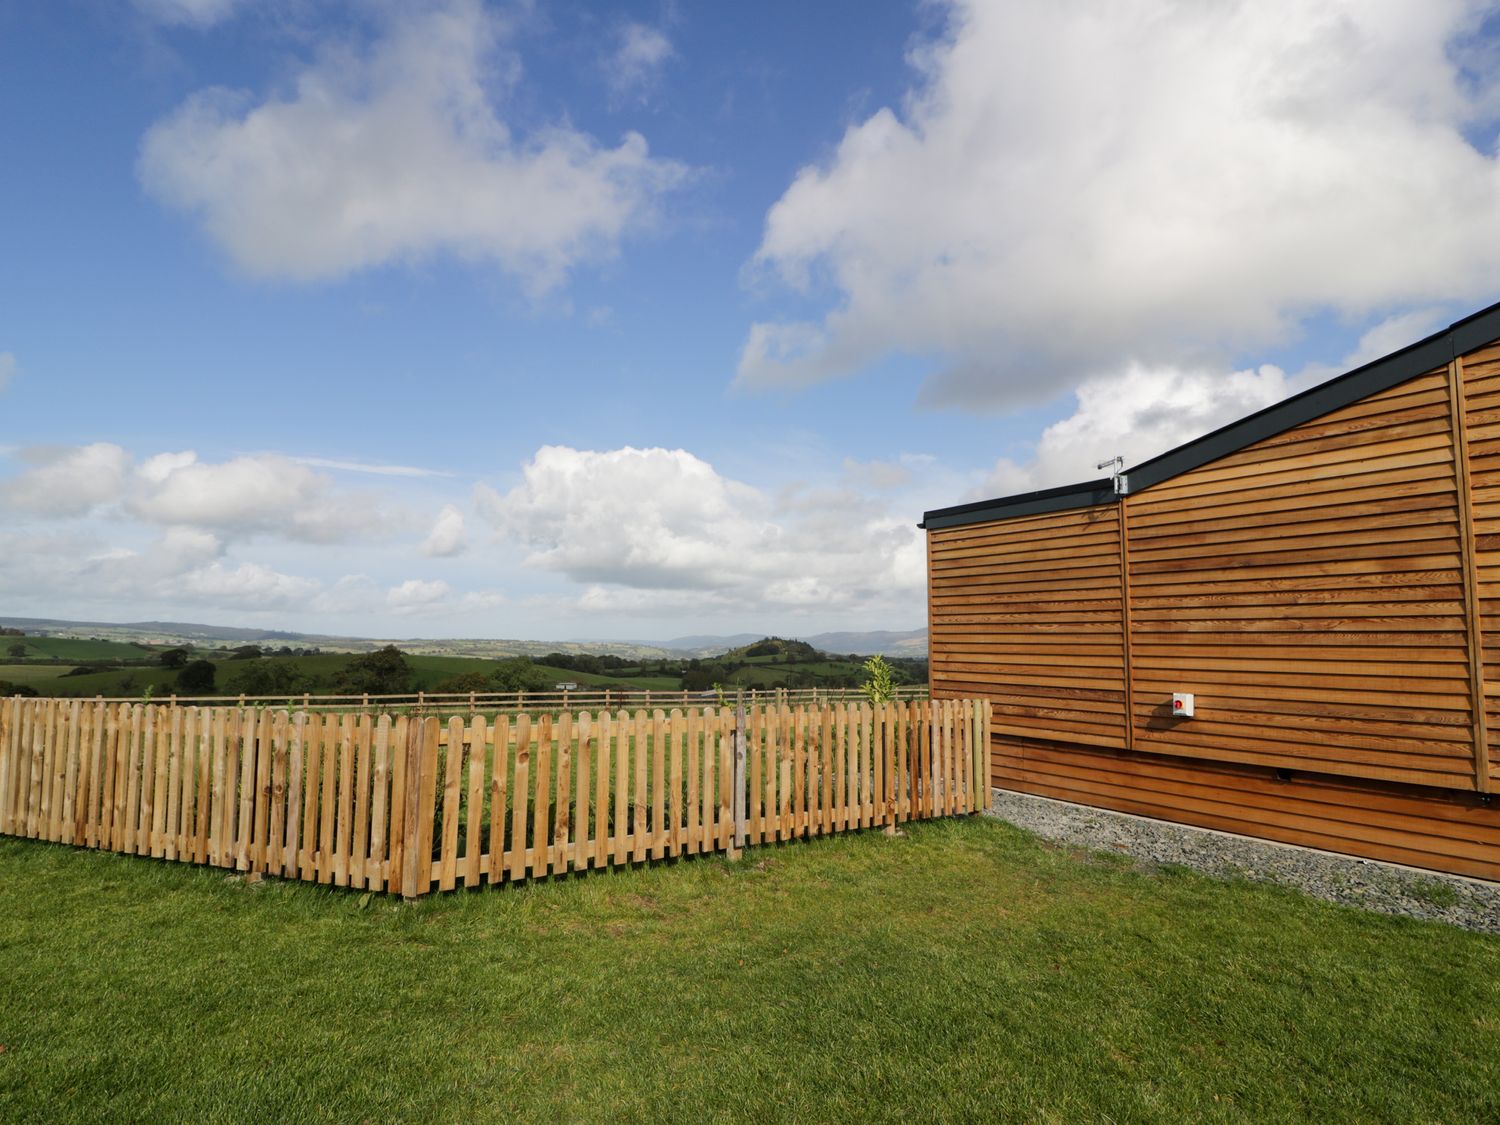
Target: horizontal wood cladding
(1431, 828)
(1308, 589)
(1027, 611)
(1481, 372)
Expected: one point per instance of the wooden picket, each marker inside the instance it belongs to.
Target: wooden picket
(411, 803)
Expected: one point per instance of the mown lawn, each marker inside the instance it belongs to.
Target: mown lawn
(964, 971)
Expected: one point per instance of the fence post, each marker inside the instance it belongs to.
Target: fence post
(411, 827)
(739, 795)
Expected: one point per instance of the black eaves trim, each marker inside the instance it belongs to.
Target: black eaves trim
(1026, 504)
(1461, 336)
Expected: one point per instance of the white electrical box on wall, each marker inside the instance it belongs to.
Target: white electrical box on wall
(1182, 705)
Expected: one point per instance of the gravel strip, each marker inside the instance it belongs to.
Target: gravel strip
(1386, 887)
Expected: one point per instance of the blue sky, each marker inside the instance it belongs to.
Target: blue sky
(635, 320)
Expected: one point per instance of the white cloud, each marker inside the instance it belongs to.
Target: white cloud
(397, 153)
(636, 64)
(659, 530)
(74, 567)
(66, 481)
(1073, 188)
(415, 594)
(8, 368)
(1145, 411)
(191, 13)
(260, 494)
(246, 585)
(448, 537)
(1137, 415)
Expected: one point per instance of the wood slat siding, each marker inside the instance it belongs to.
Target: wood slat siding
(1331, 595)
(1028, 612)
(1433, 828)
(1366, 678)
(1481, 373)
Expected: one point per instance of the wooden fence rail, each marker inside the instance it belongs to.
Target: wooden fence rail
(412, 803)
(587, 698)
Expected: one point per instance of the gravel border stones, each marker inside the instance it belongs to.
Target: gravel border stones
(1385, 887)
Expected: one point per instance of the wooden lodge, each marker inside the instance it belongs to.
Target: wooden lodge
(1322, 577)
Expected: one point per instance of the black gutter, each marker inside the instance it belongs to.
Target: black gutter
(1027, 504)
(1466, 335)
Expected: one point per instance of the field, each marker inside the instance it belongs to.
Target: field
(33, 673)
(319, 672)
(77, 649)
(428, 672)
(962, 971)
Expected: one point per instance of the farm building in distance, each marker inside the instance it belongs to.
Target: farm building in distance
(1323, 577)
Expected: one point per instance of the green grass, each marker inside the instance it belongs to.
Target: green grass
(77, 649)
(964, 971)
(427, 673)
(109, 683)
(32, 673)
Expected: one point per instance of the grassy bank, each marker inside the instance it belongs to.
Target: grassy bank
(965, 970)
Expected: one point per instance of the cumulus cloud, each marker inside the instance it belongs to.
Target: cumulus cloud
(447, 537)
(437, 598)
(395, 153)
(1137, 415)
(190, 13)
(636, 63)
(67, 481)
(259, 494)
(661, 530)
(8, 368)
(245, 585)
(1144, 411)
(1073, 188)
(75, 566)
(414, 593)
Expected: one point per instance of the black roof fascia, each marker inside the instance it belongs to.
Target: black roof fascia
(1084, 495)
(1482, 327)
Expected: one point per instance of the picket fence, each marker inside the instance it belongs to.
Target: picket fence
(411, 803)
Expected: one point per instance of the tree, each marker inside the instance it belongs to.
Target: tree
(520, 674)
(247, 652)
(8, 688)
(698, 679)
(17, 651)
(196, 678)
(174, 658)
(464, 681)
(269, 677)
(383, 672)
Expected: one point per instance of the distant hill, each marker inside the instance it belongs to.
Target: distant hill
(776, 646)
(706, 644)
(912, 642)
(886, 643)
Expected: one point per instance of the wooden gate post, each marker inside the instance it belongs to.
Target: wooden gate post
(414, 879)
(739, 795)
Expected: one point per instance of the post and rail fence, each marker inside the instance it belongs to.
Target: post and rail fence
(585, 698)
(409, 803)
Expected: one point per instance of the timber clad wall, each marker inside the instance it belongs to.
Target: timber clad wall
(1030, 609)
(1331, 595)
(1481, 373)
(1310, 585)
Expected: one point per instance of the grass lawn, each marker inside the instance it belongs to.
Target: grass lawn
(965, 970)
